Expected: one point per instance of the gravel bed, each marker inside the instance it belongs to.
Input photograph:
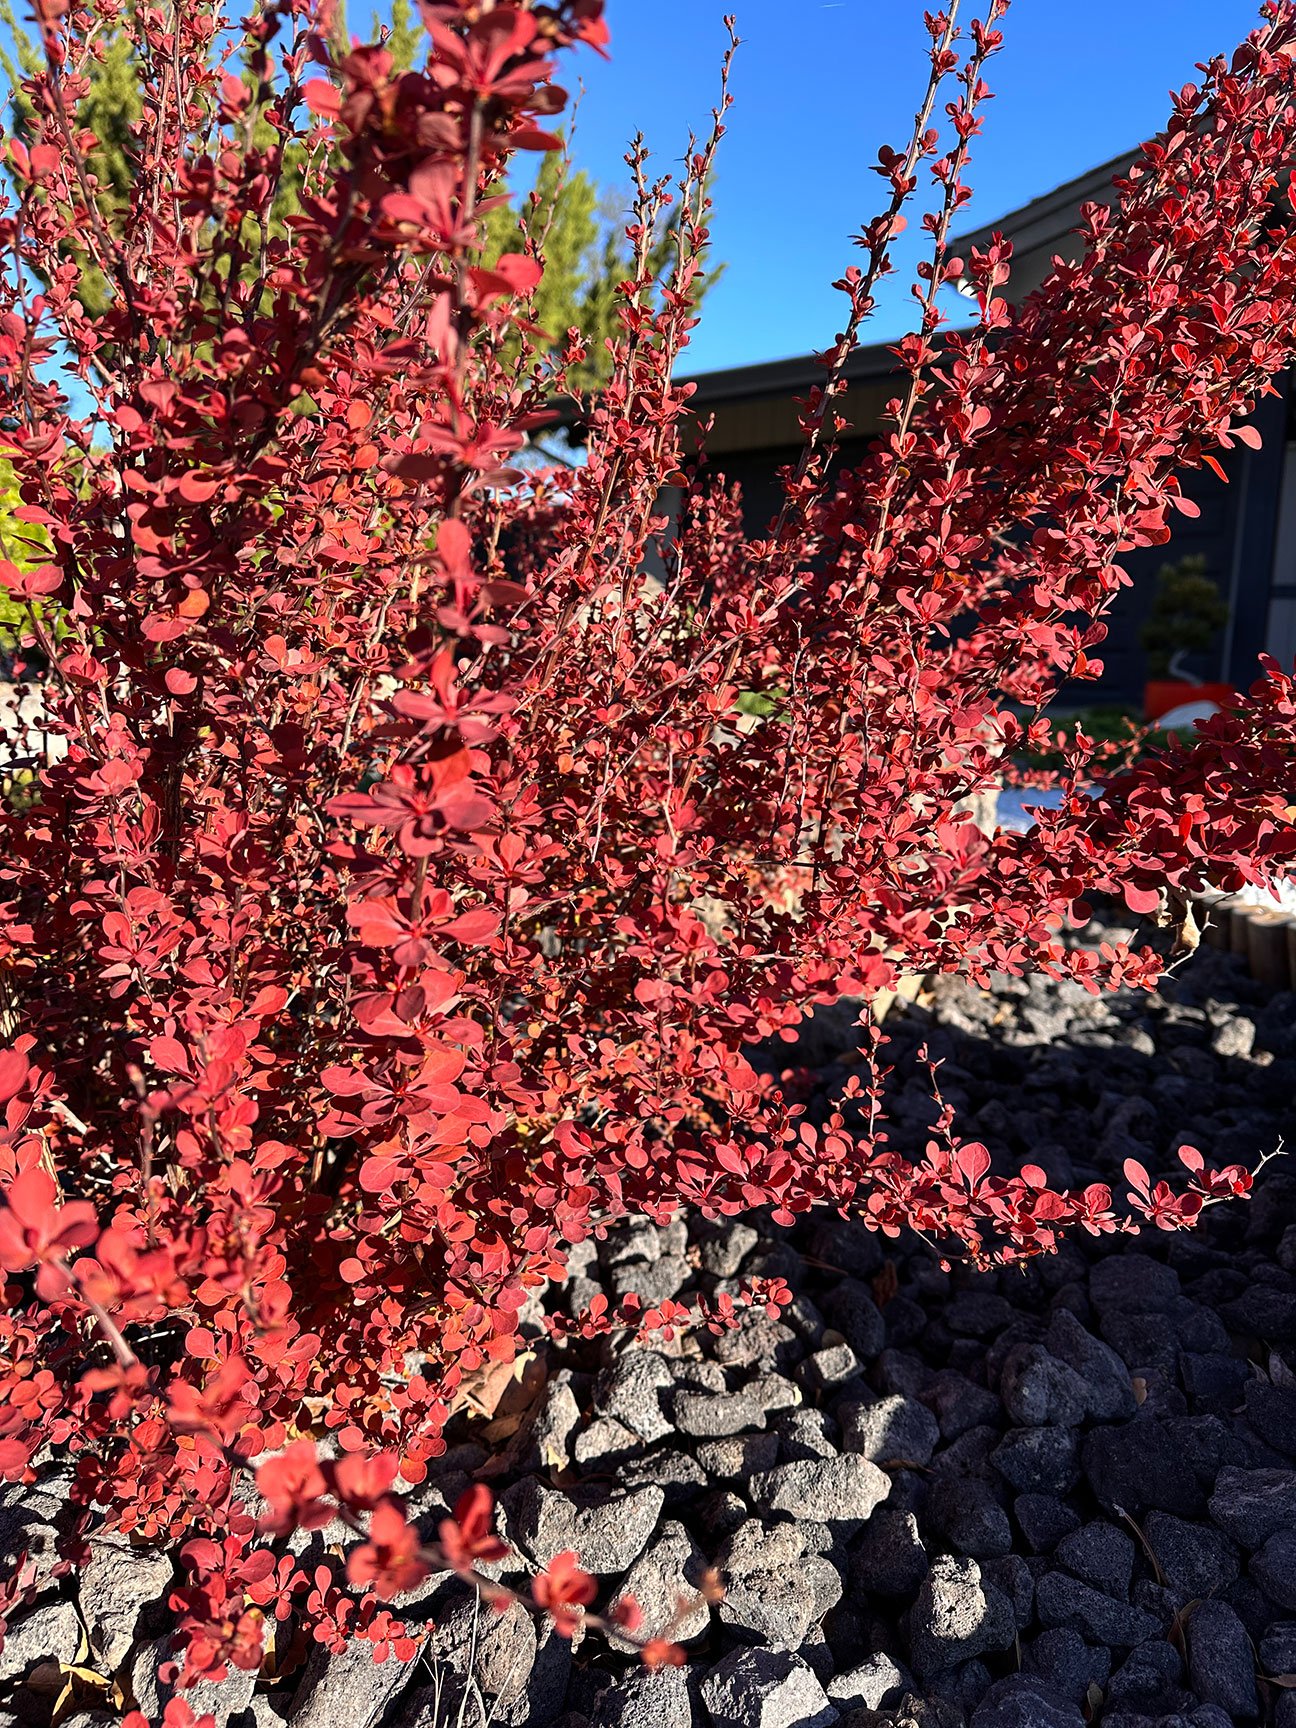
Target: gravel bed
(1027, 1499)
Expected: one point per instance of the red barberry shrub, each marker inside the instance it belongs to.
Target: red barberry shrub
(406, 876)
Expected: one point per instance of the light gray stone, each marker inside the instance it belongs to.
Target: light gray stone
(665, 1582)
(766, 1689)
(842, 1490)
(115, 1582)
(51, 1631)
(608, 1531)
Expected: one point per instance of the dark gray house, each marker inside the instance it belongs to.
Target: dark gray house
(1246, 531)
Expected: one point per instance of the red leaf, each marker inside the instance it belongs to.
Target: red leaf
(1141, 900)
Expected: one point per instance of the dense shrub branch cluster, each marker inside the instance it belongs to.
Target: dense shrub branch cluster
(415, 872)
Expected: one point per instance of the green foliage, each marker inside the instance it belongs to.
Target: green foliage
(1187, 613)
(26, 547)
(579, 227)
(110, 110)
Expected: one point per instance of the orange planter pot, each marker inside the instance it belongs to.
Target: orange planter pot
(1160, 695)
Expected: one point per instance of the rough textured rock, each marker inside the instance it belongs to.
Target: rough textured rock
(1253, 1505)
(832, 1490)
(645, 1699)
(889, 1559)
(870, 1686)
(1274, 1568)
(1221, 1666)
(115, 1582)
(51, 1631)
(957, 1616)
(1039, 1389)
(892, 1429)
(766, 1689)
(1021, 1701)
(1101, 1555)
(714, 1415)
(668, 1572)
(607, 1530)
(1109, 1391)
(1195, 1559)
(775, 1607)
(1064, 1601)
(632, 1394)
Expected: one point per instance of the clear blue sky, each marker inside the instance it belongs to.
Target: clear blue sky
(820, 86)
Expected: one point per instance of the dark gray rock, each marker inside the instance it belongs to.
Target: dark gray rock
(680, 1477)
(1061, 1600)
(775, 1393)
(958, 1404)
(957, 1616)
(1149, 1680)
(871, 1685)
(775, 1608)
(831, 1490)
(1274, 1568)
(558, 1420)
(652, 1282)
(1146, 1343)
(714, 1415)
(1062, 1657)
(805, 1434)
(1038, 1460)
(835, 1365)
(1139, 1467)
(738, 1457)
(723, 1246)
(1221, 1666)
(666, 1583)
(1132, 1283)
(719, 1513)
(805, 1319)
(891, 1429)
(604, 1442)
(1277, 1649)
(608, 1530)
(846, 1246)
(889, 1559)
(1263, 1312)
(1038, 1388)
(1215, 1382)
(494, 1651)
(632, 1393)
(1109, 1391)
(645, 1699)
(754, 1547)
(969, 1517)
(1100, 1555)
(1044, 1520)
(766, 1689)
(759, 1342)
(906, 1321)
(1196, 1559)
(1271, 1411)
(1012, 1575)
(977, 1314)
(1022, 1701)
(825, 1576)
(850, 1308)
(1253, 1505)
